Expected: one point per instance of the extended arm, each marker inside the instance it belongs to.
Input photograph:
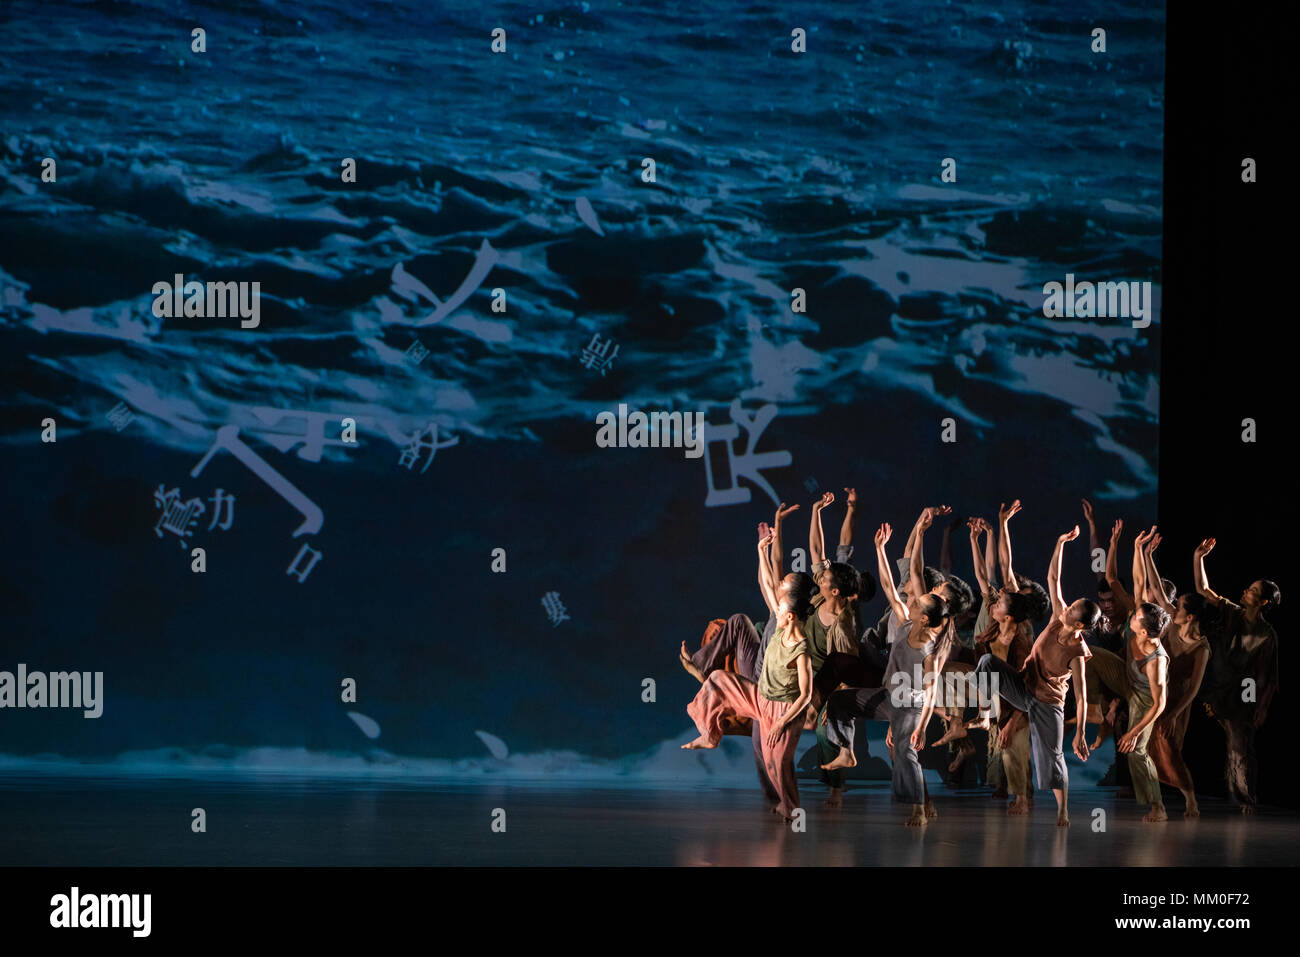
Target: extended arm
(945, 551)
(1054, 572)
(887, 574)
(816, 548)
(1139, 566)
(1198, 571)
(1156, 587)
(1123, 600)
(775, 563)
(850, 516)
(981, 572)
(765, 580)
(1004, 544)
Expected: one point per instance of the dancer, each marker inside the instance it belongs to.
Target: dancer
(1186, 640)
(1039, 687)
(920, 653)
(736, 640)
(1141, 677)
(776, 702)
(1010, 639)
(1245, 647)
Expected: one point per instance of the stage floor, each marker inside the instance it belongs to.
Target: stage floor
(146, 821)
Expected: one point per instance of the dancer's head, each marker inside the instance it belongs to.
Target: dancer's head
(795, 598)
(839, 581)
(1171, 590)
(956, 593)
(931, 611)
(1193, 613)
(933, 579)
(1082, 615)
(1030, 603)
(1262, 594)
(1105, 597)
(1148, 620)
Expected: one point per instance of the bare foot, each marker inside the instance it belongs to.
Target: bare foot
(1062, 819)
(835, 798)
(1248, 809)
(930, 809)
(982, 723)
(698, 743)
(1157, 813)
(916, 818)
(845, 759)
(955, 730)
(1193, 810)
(685, 658)
(1019, 806)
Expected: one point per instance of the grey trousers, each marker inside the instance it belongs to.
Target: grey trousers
(842, 714)
(1046, 723)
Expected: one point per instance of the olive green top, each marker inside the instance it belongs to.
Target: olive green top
(778, 679)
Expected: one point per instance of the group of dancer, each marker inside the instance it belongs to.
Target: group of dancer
(1134, 662)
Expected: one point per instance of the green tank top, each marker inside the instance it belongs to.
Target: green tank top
(779, 679)
(817, 636)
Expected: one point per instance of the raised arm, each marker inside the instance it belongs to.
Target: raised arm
(990, 552)
(1004, 544)
(850, 517)
(916, 566)
(1123, 600)
(816, 549)
(765, 581)
(1139, 571)
(775, 562)
(1198, 571)
(1054, 573)
(945, 550)
(1094, 541)
(977, 528)
(886, 573)
(1156, 587)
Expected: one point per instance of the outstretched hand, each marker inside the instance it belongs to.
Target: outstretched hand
(882, 534)
(1071, 535)
(1087, 511)
(1116, 530)
(850, 497)
(1006, 511)
(783, 510)
(1205, 548)
(826, 499)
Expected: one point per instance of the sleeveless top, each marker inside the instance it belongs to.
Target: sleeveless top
(1137, 675)
(779, 678)
(906, 665)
